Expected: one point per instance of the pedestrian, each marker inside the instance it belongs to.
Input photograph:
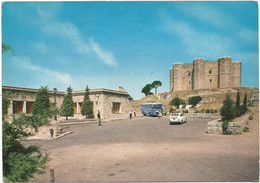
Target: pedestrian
(99, 121)
(130, 114)
(159, 114)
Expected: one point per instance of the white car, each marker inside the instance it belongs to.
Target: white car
(177, 117)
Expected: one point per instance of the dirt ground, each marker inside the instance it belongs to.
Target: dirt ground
(149, 149)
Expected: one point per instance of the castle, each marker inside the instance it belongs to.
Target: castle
(202, 74)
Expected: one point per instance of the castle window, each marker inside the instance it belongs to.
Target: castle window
(189, 82)
(210, 71)
(210, 80)
(188, 73)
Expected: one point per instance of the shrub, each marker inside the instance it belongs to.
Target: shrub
(251, 117)
(185, 111)
(202, 110)
(172, 110)
(225, 125)
(240, 111)
(51, 132)
(194, 100)
(207, 111)
(176, 101)
(227, 110)
(41, 105)
(246, 129)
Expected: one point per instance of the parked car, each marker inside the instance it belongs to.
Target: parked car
(177, 117)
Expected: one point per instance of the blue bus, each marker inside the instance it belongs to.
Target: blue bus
(151, 109)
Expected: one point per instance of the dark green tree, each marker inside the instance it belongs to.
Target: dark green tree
(147, 89)
(238, 100)
(194, 100)
(245, 100)
(156, 84)
(87, 109)
(176, 101)
(21, 163)
(227, 111)
(41, 105)
(67, 105)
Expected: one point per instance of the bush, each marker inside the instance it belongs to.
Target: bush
(202, 110)
(207, 111)
(185, 111)
(51, 132)
(225, 125)
(240, 111)
(246, 129)
(176, 101)
(194, 100)
(251, 117)
(227, 111)
(172, 110)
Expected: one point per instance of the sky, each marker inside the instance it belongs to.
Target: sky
(129, 44)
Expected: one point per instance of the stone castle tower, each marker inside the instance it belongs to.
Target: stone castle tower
(202, 74)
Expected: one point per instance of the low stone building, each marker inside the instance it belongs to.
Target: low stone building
(112, 104)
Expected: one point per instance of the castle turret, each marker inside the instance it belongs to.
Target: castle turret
(224, 69)
(235, 74)
(171, 79)
(198, 73)
(177, 71)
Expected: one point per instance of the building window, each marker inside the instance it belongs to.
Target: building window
(210, 80)
(189, 82)
(80, 106)
(17, 107)
(188, 73)
(75, 108)
(29, 107)
(210, 71)
(116, 107)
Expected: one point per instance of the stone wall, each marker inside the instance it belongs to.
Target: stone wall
(211, 75)
(203, 115)
(235, 127)
(202, 74)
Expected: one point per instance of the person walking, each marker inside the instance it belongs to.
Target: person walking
(99, 121)
(130, 114)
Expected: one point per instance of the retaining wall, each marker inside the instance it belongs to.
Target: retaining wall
(203, 115)
(236, 126)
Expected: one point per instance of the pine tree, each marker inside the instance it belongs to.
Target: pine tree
(227, 110)
(87, 105)
(67, 105)
(41, 105)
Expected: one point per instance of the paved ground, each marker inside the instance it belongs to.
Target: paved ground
(149, 149)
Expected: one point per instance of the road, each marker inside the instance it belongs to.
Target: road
(149, 149)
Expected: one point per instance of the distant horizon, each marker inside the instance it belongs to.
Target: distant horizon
(129, 44)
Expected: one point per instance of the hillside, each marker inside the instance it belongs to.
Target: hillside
(212, 99)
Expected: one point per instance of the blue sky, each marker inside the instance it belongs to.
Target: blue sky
(129, 44)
